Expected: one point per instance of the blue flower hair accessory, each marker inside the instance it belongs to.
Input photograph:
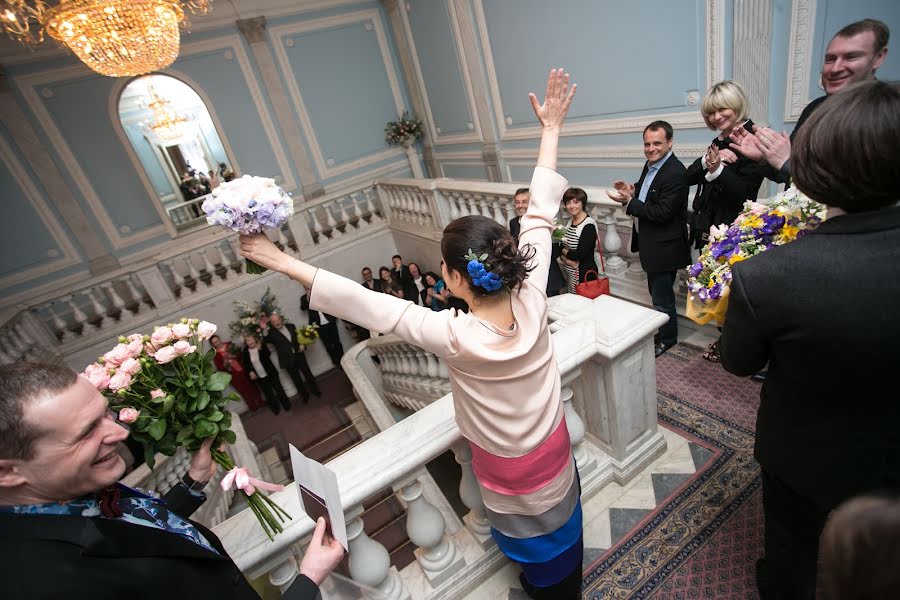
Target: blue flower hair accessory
(481, 276)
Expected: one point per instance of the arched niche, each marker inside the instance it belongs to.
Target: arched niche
(176, 160)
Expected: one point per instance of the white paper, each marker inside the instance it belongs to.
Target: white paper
(321, 481)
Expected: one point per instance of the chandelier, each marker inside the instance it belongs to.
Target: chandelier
(118, 38)
(166, 124)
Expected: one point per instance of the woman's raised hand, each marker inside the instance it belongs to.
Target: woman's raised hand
(260, 249)
(557, 99)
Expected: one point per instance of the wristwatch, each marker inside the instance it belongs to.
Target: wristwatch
(195, 487)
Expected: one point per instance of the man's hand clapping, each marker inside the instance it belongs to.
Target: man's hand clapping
(624, 192)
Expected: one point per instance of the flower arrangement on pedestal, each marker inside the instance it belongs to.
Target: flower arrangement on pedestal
(404, 131)
(249, 205)
(249, 316)
(760, 227)
(166, 389)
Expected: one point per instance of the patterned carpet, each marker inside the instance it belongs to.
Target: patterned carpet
(703, 540)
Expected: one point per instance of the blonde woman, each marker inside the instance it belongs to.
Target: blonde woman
(725, 178)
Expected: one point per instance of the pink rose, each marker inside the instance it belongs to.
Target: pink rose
(135, 347)
(128, 415)
(205, 330)
(130, 366)
(157, 393)
(120, 381)
(182, 330)
(182, 347)
(162, 335)
(165, 354)
(118, 354)
(97, 375)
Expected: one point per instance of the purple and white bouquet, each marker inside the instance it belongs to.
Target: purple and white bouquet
(249, 205)
(760, 227)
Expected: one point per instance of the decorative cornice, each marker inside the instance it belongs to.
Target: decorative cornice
(253, 30)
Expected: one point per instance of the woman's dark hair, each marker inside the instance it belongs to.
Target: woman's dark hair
(860, 550)
(574, 193)
(382, 270)
(433, 275)
(482, 235)
(845, 155)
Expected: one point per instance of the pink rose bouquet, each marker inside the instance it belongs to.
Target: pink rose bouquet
(165, 387)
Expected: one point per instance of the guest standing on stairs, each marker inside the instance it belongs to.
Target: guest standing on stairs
(258, 363)
(283, 336)
(503, 372)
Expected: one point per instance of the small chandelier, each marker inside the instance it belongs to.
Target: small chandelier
(118, 38)
(166, 124)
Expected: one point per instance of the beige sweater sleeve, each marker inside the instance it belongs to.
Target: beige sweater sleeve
(419, 325)
(547, 187)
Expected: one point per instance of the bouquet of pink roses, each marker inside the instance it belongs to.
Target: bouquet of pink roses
(166, 389)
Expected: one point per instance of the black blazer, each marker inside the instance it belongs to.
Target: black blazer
(46, 557)
(721, 200)
(662, 238)
(515, 226)
(284, 348)
(264, 357)
(822, 312)
(376, 285)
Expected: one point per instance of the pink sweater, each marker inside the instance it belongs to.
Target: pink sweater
(506, 385)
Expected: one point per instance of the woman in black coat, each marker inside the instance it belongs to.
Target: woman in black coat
(581, 238)
(725, 179)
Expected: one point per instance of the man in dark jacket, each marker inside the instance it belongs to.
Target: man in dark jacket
(283, 336)
(328, 331)
(67, 529)
(658, 203)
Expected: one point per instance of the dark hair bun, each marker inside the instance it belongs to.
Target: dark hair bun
(508, 262)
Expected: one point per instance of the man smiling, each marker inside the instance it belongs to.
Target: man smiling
(67, 529)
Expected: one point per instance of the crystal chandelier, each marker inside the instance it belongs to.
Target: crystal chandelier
(166, 124)
(118, 38)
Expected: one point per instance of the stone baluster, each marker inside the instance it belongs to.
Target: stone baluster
(77, 313)
(372, 207)
(136, 297)
(355, 213)
(331, 223)
(235, 244)
(496, 205)
(470, 494)
(284, 574)
(5, 358)
(370, 563)
(443, 373)
(192, 270)
(432, 369)
(422, 366)
(612, 243)
(453, 201)
(22, 333)
(177, 279)
(208, 266)
(62, 330)
(425, 526)
(12, 343)
(114, 298)
(316, 225)
(583, 460)
(97, 308)
(220, 258)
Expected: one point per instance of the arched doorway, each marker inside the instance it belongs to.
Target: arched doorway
(176, 142)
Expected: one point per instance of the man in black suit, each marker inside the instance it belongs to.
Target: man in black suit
(658, 203)
(67, 529)
(402, 277)
(259, 367)
(822, 312)
(283, 336)
(375, 285)
(328, 331)
(853, 55)
(520, 204)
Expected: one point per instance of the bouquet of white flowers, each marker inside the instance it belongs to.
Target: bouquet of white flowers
(249, 205)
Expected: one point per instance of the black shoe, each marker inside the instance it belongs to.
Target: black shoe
(305, 398)
(661, 348)
(315, 390)
(762, 579)
(287, 404)
(275, 410)
(761, 376)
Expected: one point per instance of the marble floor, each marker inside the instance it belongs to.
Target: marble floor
(608, 516)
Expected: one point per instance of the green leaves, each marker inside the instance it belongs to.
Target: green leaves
(218, 381)
(149, 455)
(202, 400)
(157, 429)
(204, 428)
(228, 436)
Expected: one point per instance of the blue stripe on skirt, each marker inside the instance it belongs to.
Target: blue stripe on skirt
(546, 559)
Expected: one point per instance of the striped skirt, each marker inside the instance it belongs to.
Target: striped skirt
(533, 503)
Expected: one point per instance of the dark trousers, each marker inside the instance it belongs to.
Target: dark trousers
(663, 295)
(568, 588)
(332, 340)
(274, 393)
(794, 523)
(301, 366)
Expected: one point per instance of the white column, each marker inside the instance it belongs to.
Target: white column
(284, 574)
(426, 528)
(370, 563)
(470, 494)
(583, 460)
(612, 243)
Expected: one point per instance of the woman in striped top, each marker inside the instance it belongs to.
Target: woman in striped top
(581, 238)
(503, 372)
